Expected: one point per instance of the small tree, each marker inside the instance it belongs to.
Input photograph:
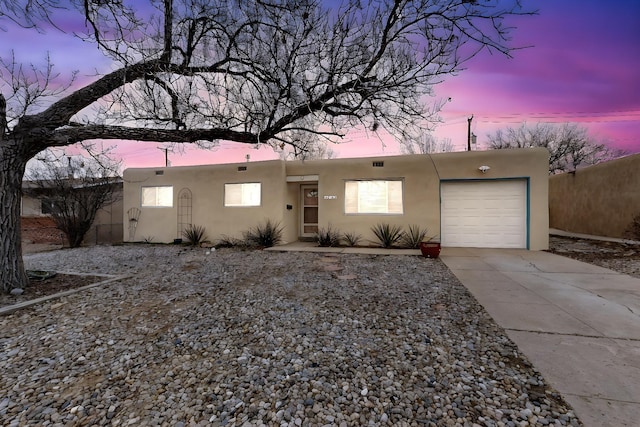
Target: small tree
(569, 144)
(74, 188)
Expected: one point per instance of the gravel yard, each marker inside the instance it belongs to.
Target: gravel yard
(264, 338)
(621, 257)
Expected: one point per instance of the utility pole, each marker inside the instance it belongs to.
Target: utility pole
(469, 133)
(166, 156)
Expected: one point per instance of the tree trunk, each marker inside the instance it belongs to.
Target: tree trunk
(12, 166)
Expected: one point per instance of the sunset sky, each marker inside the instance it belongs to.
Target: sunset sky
(583, 66)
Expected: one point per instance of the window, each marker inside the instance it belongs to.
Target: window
(245, 194)
(157, 196)
(373, 197)
(49, 206)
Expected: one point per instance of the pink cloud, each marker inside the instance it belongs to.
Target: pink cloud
(583, 67)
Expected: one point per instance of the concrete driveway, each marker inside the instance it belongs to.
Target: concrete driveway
(579, 324)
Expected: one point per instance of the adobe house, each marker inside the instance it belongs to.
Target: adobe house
(495, 198)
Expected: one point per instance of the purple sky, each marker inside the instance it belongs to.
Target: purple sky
(583, 66)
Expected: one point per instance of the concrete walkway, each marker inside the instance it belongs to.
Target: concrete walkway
(579, 324)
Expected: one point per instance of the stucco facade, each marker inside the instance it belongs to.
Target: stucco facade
(287, 186)
(600, 200)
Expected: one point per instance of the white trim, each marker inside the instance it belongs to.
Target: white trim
(302, 178)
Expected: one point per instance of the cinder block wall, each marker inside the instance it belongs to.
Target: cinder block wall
(599, 200)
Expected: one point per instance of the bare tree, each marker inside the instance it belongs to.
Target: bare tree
(569, 144)
(425, 143)
(74, 188)
(305, 147)
(309, 151)
(247, 71)
(28, 13)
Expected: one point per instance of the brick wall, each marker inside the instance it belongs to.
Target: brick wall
(40, 230)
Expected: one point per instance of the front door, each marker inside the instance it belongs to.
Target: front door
(309, 214)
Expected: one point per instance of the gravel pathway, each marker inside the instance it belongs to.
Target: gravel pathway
(250, 338)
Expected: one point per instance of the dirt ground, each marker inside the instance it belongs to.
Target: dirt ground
(40, 288)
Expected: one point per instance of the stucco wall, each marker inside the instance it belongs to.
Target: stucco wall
(160, 224)
(107, 227)
(421, 175)
(531, 163)
(31, 206)
(420, 191)
(599, 200)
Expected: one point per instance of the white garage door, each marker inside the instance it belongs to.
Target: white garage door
(484, 214)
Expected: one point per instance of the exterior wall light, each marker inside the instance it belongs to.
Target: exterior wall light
(484, 168)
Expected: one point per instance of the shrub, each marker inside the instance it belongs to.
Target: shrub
(195, 234)
(387, 234)
(633, 230)
(328, 236)
(351, 239)
(230, 242)
(264, 235)
(411, 239)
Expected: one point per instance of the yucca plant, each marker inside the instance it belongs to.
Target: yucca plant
(351, 239)
(264, 235)
(411, 239)
(195, 234)
(387, 234)
(328, 236)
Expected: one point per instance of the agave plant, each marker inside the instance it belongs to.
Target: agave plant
(411, 239)
(195, 234)
(351, 239)
(265, 235)
(387, 234)
(328, 236)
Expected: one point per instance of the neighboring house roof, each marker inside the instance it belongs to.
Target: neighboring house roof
(76, 183)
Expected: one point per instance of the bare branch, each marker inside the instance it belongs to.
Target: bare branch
(71, 134)
(75, 187)
(28, 13)
(273, 72)
(569, 144)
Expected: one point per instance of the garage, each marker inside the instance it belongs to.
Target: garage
(484, 214)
